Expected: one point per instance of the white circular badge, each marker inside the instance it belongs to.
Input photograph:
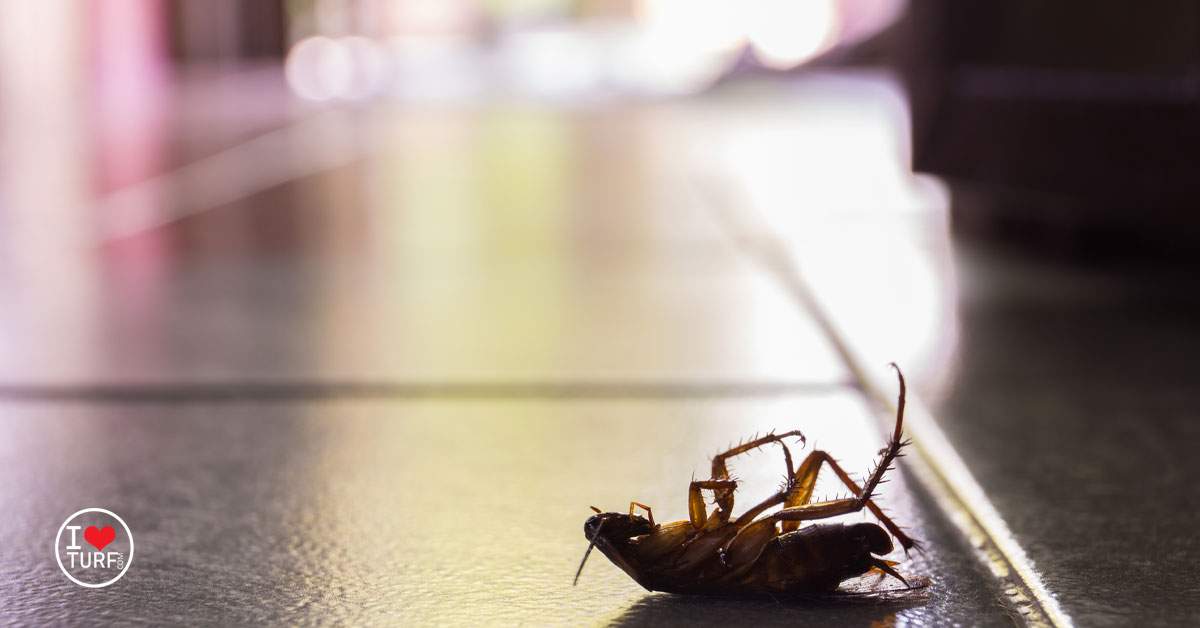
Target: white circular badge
(97, 548)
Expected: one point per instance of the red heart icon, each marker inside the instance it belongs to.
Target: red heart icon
(99, 537)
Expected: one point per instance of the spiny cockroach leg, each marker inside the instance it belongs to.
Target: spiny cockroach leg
(755, 554)
(649, 513)
(806, 476)
(720, 471)
(697, 512)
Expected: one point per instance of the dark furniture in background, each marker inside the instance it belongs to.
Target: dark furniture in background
(1071, 127)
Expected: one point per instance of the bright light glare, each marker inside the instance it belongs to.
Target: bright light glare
(828, 175)
(687, 43)
(435, 67)
(785, 33)
(319, 68)
(323, 68)
(553, 62)
(680, 45)
(370, 67)
(702, 26)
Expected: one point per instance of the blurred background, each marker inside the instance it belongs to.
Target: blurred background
(364, 264)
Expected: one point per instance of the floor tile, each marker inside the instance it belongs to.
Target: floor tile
(416, 512)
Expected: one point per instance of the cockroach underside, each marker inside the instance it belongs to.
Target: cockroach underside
(758, 552)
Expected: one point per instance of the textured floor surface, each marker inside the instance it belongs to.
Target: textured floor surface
(420, 512)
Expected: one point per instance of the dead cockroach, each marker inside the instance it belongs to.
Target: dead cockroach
(753, 555)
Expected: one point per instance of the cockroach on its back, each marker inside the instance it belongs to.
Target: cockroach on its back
(752, 555)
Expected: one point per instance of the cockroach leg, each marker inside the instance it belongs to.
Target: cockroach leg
(797, 492)
(720, 471)
(760, 552)
(807, 512)
(801, 490)
(747, 544)
(806, 480)
(743, 549)
(806, 477)
(649, 513)
(697, 512)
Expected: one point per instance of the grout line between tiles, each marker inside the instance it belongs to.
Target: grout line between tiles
(403, 390)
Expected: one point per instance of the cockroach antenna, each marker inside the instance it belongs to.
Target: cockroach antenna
(587, 553)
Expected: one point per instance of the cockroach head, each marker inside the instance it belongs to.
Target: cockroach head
(610, 531)
(615, 526)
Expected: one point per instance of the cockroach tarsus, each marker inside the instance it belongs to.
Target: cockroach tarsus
(758, 553)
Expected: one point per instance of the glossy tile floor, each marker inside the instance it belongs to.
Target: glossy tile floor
(1076, 401)
(374, 364)
(414, 512)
